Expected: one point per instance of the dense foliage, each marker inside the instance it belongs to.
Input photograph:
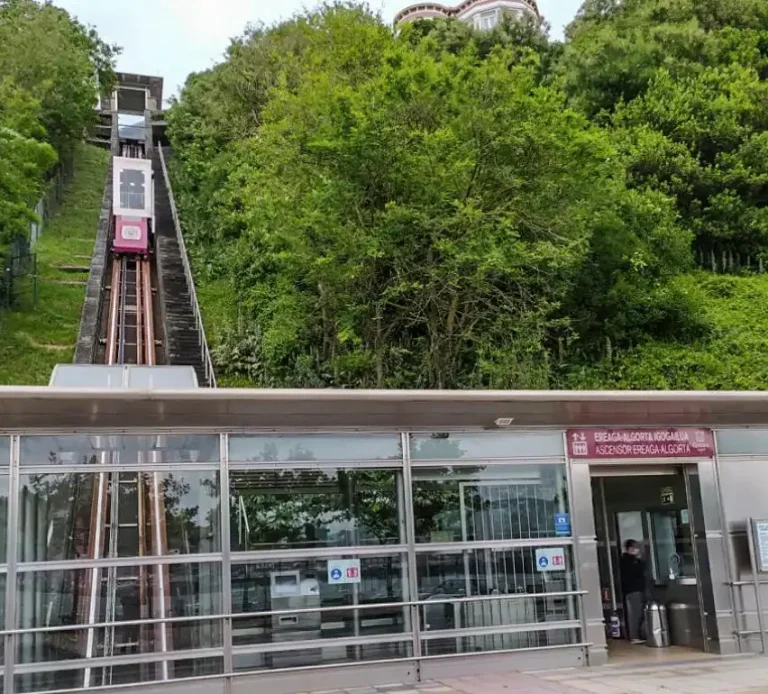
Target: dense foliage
(446, 208)
(50, 71)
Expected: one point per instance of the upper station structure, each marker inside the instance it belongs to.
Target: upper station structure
(135, 94)
(482, 14)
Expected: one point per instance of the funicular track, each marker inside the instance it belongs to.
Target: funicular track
(127, 512)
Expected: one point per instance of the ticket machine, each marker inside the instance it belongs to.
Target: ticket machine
(289, 591)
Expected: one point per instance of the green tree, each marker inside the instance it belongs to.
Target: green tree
(681, 85)
(415, 210)
(59, 62)
(24, 159)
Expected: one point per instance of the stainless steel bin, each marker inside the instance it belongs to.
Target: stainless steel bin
(656, 626)
(685, 625)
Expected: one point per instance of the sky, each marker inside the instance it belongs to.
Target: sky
(184, 36)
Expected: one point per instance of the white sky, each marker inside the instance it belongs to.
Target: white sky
(183, 36)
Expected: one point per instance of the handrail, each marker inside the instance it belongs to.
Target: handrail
(365, 607)
(205, 353)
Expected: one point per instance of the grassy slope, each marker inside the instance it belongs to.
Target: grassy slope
(218, 308)
(36, 337)
(734, 356)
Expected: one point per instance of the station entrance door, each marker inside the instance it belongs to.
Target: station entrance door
(659, 508)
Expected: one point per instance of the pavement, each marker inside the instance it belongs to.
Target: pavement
(741, 675)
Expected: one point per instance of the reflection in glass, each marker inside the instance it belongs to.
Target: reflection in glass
(488, 503)
(260, 449)
(303, 584)
(3, 520)
(313, 508)
(63, 598)
(2, 613)
(5, 450)
(488, 572)
(499, 642)
(445, 446)
(127, 514)
(119, 448)
(672, 547)
(118, 674)
(307, 657)
(132, 189)
(631, 527)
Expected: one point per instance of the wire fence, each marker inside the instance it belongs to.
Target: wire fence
(18, 277)
(18, 260)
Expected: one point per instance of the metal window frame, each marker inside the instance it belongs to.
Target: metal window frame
(117, 562)
(408, 551)
(319, 435)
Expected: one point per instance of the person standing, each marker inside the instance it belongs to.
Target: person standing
(633, 587)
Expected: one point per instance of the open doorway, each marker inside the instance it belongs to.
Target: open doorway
(652, 507)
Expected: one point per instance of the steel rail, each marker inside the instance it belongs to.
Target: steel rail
(149, 325)
(114, 299)
(139, 307)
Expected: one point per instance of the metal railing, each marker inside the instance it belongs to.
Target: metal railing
(205, 352)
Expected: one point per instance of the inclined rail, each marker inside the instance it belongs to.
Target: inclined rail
(128, 507)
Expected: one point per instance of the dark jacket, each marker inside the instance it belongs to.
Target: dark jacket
(632, 574)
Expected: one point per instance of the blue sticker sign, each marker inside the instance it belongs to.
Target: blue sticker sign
(343, 571)
(550, 559)
(562, 524)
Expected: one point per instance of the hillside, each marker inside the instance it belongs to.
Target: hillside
(440, 207)
(42, 331)
(733, 356)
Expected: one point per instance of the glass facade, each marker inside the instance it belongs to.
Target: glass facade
(140, 558)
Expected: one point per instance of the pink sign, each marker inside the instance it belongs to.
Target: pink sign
(641, 443)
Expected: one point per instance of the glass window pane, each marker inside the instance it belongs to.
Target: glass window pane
(5, 450)
(488, 503)
(126, 449)
(487, 572)
(304, 584)
(127, 514)
(117, 674)
(444, 446)
(2, 614)
(499, 642)
(132, 189)
(259, 449)
(491, 572)
(314, 508)
(743, 441)
(672, 547)
(64, 598)
(3, 519)
(308, 657)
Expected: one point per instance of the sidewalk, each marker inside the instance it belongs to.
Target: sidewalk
(743, 675)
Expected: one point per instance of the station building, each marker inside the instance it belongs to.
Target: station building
(160, 537)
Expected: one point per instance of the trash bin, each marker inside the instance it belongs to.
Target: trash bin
(656, 626)
(685, 625)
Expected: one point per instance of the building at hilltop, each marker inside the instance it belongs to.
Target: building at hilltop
(482, 14)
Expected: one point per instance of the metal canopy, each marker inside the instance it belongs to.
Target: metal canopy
(102, 376)
(69, 408)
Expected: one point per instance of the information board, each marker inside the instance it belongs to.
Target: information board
(760, 533)
(596, 444)
(562, 524)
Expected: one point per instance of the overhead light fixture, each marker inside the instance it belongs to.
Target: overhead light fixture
(504, 421)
